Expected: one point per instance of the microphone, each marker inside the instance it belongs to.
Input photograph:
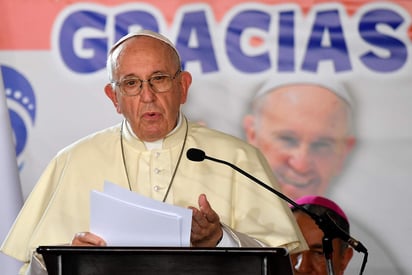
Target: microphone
(325, 222)
(194, 154)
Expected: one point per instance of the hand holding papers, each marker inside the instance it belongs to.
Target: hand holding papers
(124, 218)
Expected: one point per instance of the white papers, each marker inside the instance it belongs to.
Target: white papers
(124, 218)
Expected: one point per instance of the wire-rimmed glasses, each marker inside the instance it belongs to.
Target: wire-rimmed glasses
(160, 83)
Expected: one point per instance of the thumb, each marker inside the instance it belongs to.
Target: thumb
(203, 202)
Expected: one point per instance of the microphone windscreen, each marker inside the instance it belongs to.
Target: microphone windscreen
(195, 154)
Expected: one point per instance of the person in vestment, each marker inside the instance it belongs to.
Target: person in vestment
(313, 261)
(145, 153)
(303, 126)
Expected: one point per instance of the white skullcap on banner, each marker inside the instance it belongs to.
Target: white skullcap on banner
(326, 81)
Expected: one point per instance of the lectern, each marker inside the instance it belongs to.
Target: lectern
(70, 260)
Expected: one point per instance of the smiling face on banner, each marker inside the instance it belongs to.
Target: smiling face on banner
(303, 131)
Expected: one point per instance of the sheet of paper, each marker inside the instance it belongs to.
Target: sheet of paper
(124, 218)
(137, 199)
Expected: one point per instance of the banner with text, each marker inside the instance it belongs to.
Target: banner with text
(53, 56)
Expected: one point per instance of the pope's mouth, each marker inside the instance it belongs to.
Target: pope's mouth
(298, 183)
(151, 115)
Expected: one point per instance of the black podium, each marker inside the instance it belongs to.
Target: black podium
(70, 260)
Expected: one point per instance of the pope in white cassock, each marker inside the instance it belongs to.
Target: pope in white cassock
(146, 153)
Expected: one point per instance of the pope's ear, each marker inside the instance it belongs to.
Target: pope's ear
(350, 143)
(111, 94)
(185, 82)
(249, 128)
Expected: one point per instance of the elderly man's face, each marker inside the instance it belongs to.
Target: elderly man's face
(303, 132)
(312, 261)
(151, 115)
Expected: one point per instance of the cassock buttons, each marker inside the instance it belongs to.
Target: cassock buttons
(156, 188)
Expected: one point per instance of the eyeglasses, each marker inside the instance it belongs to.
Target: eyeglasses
(159, 83)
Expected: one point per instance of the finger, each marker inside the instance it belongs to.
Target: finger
(206, 228)
(87, 239)
(207, 210)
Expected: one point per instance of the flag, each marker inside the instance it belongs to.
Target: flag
(11, 198)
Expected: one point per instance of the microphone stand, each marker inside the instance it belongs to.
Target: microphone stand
(328, 251)
(322, 222)
(330, 229)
